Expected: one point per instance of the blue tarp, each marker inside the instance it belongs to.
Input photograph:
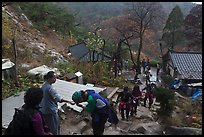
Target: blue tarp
(174, 84)
(197, 94)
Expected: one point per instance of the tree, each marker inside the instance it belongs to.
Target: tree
(143, 15)
(9, 41)
(193, 28)
(173, 32)
(95, 43)
(49, 16)
(6, 35)
(119, 31)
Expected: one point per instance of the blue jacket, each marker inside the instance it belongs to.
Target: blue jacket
(101, 111)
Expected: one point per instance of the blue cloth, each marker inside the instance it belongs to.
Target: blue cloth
(112, 116)
(173, 84)
(198, 93)
(97, 111)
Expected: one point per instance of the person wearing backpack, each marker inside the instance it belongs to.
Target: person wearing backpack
(99, 108)
(49, 103)
(125, 103)
(136, 95)
(28, 119)
(148, 95)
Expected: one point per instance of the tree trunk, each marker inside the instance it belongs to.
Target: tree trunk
(103, 48)
(93, 56)
(15, 61)
(131, 56)
(117, 59)
(138, 68)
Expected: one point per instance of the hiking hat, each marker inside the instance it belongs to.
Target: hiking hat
(76, 96)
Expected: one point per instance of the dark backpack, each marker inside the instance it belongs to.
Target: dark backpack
(112, 115)
(21, 123)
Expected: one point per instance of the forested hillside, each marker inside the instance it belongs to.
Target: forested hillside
(39, 33)
(94, 12)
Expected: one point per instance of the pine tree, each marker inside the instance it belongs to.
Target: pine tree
(173, 32)
(193, 28)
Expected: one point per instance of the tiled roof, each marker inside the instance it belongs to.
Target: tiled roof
(188, 64)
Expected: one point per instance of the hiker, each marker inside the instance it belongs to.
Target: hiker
(49, 103)
(158, 69)
(125, 103)
(144, 64)
(148, 62)
(136, 95)
(148, 95)
(148, 75)
(29, 113)
(97, 106)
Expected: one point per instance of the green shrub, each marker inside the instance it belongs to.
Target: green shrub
(166, 99)
(153, 62)
(166, 79)
(65, 67)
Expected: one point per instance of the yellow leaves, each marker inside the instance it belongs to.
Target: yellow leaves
(94, 41)
(6, 46)
(6, 35)
(6, 27)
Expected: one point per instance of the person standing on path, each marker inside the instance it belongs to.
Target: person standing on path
(49, 103)
(144, 64)
(125, 103)
(148, 95)
(136, 95)
(158, 69)
(148, 75)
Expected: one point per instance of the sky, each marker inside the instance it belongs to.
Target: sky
(198, 2)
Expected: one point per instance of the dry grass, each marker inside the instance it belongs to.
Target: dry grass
(186, 114)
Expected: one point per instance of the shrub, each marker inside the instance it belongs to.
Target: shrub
(153, 62)
(166, 99)
(166, 80)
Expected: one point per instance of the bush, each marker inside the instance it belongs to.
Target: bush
(153, 62)
(166, 99)
(166, 80)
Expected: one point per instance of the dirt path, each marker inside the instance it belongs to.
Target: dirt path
(74, 123)
(80, 124)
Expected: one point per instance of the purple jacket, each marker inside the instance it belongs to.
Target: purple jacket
(38, 124)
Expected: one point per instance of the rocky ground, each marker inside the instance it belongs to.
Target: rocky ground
(146, 122)
(143, 123)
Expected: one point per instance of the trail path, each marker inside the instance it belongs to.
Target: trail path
(143, 123)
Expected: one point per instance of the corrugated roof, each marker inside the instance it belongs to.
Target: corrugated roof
(188, 64)
(64, 88)
(8, 106)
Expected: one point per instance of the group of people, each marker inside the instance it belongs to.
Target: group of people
(44, 100)
(130, 100)
(41, 105)
(147, 70)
